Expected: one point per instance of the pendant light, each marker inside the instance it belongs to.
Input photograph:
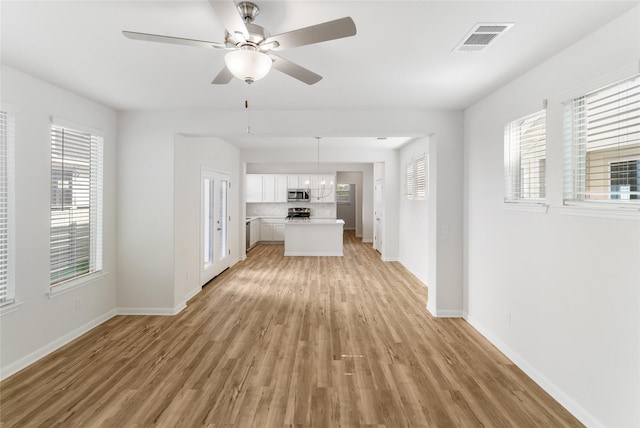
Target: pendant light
(324, 189)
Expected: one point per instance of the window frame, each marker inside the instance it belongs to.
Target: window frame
(516, 195)
(575, 174)
(339, 199)
(416, 177)
(10, 302)
(96, 209)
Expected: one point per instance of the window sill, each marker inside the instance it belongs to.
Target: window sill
(602, 210)
(531, 207)
(10, 307)
(66, 287)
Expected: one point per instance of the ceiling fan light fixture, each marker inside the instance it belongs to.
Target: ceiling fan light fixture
(248, 64)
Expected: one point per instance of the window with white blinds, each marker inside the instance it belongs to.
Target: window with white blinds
(525, 153)
(7, 290)
(602, 145)
(343, 193)
(420, 170)
(416, 185)
(409, 180)
(76, 204)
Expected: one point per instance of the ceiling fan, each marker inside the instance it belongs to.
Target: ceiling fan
(251, 48)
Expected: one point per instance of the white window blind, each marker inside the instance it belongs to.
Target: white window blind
(421, 174)
(409, 180)
(525, 152)
(416, 183)
(602, 145)
(76, 204)
(7, 291)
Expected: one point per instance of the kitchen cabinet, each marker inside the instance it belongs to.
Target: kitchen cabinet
(297, 181)
(266, 188)
(278, 232)
(254, 228)
(280, 188)
(254, 188)
(266, 232)
(272, 229)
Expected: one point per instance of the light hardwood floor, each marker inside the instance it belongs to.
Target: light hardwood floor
(275, 342)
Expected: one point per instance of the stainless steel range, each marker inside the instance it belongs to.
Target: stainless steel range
(299, 213)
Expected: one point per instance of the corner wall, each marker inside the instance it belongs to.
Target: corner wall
(191, 154)
(414, 217)
(558, 293)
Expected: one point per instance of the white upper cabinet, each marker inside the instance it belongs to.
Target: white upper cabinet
(298, 181)
(281, 188)
(266, 188)
(254, 188)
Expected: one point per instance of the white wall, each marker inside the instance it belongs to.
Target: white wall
(40, 324)
(191, 154)
(145, 186)
(414, 218)
(558, 293)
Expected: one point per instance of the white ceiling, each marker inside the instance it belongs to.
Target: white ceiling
(402, 57)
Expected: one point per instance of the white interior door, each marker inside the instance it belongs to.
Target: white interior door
(214, 221)
(378, 228)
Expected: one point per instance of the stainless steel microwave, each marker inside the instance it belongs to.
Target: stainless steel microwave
(297, 195)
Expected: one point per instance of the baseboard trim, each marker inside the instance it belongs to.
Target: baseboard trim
(313, 254)
(190, 295)
(367, 241)
(152, 311)
(448, 313)
(545, 383)
(27, 360)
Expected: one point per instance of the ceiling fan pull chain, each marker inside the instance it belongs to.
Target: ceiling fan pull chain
(246, 107)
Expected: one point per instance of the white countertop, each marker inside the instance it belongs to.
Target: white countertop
(317, 221)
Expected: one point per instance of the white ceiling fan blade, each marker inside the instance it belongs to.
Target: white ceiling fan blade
(173, 40)
(223, 77)
(227, 12)
(331, 30)
(294, 70)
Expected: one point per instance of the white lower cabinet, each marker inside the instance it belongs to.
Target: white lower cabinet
(255, 232)
(272, 229)
(278, 232)
(266, 232)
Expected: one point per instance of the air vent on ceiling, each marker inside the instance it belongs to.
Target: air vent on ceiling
(481, 35)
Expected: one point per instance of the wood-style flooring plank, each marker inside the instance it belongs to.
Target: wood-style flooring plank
(284, 342)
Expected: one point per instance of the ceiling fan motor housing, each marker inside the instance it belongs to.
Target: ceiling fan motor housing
(248, 11)
(257, 34)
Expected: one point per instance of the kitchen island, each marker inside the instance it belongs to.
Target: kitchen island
(314, 237)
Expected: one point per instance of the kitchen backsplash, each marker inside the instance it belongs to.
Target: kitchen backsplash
(281, 209)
